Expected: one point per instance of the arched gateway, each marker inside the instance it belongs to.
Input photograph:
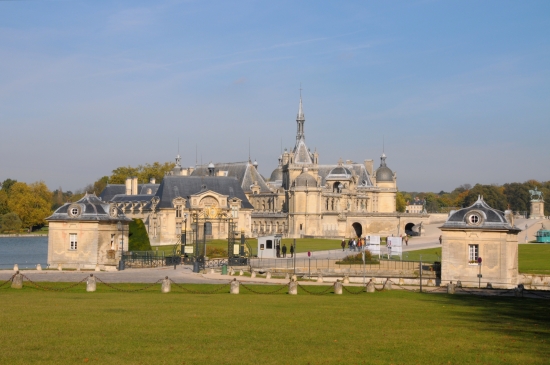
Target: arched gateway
(358, 229)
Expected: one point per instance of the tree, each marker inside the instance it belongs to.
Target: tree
(32, 203)
(4, 202)
(518, 197)
(144, 173)
(400, 202)
(492, 195)
(10, 222)
(7, 184)
(120, 174)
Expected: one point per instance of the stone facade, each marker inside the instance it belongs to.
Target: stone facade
(480, 231)
(301, 197)
(85, 235)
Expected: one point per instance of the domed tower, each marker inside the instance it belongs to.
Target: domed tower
(386, 180)
(304, 205)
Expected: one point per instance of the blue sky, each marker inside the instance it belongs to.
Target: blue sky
(459, 90)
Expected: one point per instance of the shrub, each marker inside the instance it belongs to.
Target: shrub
(139, 239)
(10, 222)
(358, 259)
(213, 252)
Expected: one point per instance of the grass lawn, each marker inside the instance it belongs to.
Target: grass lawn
(395, 327)
(429, 254)
(534, 259)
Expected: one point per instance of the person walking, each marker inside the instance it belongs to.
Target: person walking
(284, 250)
(350, 244)
(291, 251)
(440, 239)
(406, 240)
(343, 244)
(278, 249)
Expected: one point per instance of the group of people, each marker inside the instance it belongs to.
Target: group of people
(356, 245)
(353, 244)
(281, 251)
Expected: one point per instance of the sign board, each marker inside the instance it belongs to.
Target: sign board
(372, 243)
(188, 249)
(236, 249)
(394, 246)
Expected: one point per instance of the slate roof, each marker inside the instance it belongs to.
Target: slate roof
(115, 189)
(90, 209)
(383, 173)
(359, 170)
(185, 186)
(490, 218)
(244, 172)
(301, 153)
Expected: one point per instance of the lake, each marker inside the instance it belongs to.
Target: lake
(23, 251)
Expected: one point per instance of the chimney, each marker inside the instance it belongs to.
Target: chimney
(128, 186)
(134, 185)
(152, 180)
(369, 166)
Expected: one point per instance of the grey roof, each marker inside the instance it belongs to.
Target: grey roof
(90, 208)
(123, 198)
(111, 190)
(489, 218)
(277, 174)
(301, 153)
(244, 172)
(339, 172)
(357, 168)
(305, 179)
(384, 173)
(185, 186)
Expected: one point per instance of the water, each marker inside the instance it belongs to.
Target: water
(26, 252)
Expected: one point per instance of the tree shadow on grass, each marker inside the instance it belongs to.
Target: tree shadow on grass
(525, 322)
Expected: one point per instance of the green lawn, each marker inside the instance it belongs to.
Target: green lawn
(534, 259)
(396, 327)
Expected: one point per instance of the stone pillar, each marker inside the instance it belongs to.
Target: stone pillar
(387, 286)
(91, 283)
(59, 268)
(451, 288)
(235, 285)
(401, 281)
(231, 271)
(518, 292)
(78, 267)
(166, 285)
(338, 288)
(16, 268)
(370, 287)
(212, 271)
(293, 288)
(17, 281)
(430, 283)
(294, 278)
(537, 209)
(268, 275)
(97, 267)
(346, 279)
(287, 276)
(253, 274)
(320, 278)
(39, 267)
(241, 273)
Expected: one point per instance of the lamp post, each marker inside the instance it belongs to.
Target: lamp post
(120, 227)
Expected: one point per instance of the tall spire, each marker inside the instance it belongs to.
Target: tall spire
(300, 119)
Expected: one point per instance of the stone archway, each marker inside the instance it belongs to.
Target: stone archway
(358, 229)
(410, 230)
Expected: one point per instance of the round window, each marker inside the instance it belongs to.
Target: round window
(474, 219)
(74, 210)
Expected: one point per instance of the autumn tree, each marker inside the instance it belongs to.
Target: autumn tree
(492, 195)
(144, 173)
(400, 202)
(10, 222)
(32, 203)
